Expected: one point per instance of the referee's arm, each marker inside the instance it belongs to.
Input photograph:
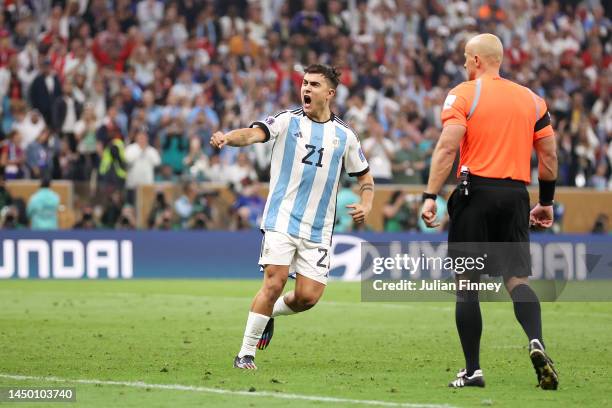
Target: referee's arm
(542, 215)
(444, 157)
(546, 149)
(441, 165)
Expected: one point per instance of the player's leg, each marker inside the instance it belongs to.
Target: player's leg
(306, 294)
(277, 254)
(312, 267)
(311, 263)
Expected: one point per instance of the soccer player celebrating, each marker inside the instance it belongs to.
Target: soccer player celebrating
(311, 145)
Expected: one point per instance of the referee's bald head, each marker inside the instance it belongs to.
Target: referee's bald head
(488, 47)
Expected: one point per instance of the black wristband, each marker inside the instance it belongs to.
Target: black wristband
(547, 192)
(429, 195)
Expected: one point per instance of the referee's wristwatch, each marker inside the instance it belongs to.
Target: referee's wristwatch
(427, 195)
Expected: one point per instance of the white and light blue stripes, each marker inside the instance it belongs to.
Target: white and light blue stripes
(306, 165)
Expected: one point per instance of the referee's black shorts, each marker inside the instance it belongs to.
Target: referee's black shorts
(495, 214)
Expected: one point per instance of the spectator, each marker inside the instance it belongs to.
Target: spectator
(43, 207)
(192, 67)
(380, 152)
(113, 166)
(85, 136)
(9, 218)
(5, 195)
(408, 163)
(44, 90)
(12, 156)
(111, 48)
(113, 209)
(601, 225)
(29, 125)
(183, 206)
(149, 13)
(400, 213)
(64, 115)
(159, 206)
(201, 214)
(174, 147)
(141, 159)
(127, 218)
(87, 220)
(196, 162)
(249, 205)
(164, 220)
(241, 170)
(39, 156)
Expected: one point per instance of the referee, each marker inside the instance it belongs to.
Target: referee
(495, 122)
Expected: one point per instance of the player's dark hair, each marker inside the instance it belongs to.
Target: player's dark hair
(330, 73)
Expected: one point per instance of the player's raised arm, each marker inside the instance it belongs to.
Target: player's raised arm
(238, 137)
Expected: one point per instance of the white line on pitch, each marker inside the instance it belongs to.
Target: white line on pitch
(179, 387)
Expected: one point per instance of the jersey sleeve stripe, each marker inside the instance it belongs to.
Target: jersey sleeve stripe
(262, 126)
(280, 113)
(537, 105)
(360, 173)
(542, 122)
(476, 98)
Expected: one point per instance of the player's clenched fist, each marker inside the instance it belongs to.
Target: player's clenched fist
(218, 140)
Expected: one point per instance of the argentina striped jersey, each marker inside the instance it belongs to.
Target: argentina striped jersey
(307, 159)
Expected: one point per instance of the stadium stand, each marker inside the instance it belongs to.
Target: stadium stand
(79, 79)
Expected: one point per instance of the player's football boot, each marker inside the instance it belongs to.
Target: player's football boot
(548, 379)
(245, 363)
(266, 336)
(462, 380)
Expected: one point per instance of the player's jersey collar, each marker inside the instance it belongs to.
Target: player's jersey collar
(332, 116)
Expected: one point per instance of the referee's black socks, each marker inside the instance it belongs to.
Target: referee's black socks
(527, 311)
(469, 327)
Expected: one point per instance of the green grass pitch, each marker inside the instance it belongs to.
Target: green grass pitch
(187, 333)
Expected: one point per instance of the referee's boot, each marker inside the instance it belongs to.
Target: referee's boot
(463, 380)
(266, 336)
(548, 379)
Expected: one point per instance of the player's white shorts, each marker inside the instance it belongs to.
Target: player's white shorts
(305, 257)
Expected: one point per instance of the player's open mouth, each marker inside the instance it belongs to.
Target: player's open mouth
(307, 100)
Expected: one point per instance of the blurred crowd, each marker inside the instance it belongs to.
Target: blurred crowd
(119, 93)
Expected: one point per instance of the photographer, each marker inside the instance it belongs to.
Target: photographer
(400, 212)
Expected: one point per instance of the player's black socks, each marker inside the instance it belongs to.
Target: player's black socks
(527, 311)
(469, 326)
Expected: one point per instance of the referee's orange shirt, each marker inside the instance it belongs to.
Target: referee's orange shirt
(502, 121)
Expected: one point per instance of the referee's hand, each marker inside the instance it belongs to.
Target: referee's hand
(218, 140)
(429, 212)
(541, 216)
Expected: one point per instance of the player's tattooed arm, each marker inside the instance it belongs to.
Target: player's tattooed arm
(366, 186)
(238, 137)
(366, 190)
